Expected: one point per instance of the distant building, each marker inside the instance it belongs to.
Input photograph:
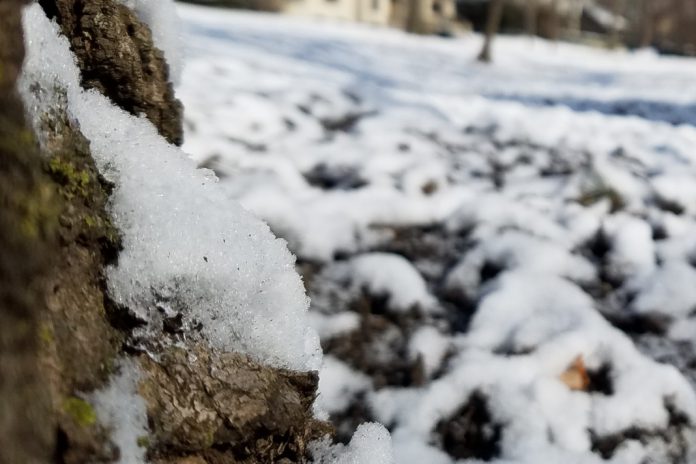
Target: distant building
(368, 11)
(420, 16)
(424, 16)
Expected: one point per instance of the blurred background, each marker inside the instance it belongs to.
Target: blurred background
(492, 205)
(666, 25)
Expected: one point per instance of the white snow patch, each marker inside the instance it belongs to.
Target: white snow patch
(390, 275)
(331, 325)
(678, 189)
(123, 411)
(371, 444)
(338, 385)
(632, 247)
(670, 290)
(519, 251)
(431, 346)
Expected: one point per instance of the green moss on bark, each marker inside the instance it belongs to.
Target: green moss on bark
(80, 411)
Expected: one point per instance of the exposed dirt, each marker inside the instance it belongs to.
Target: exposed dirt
(471, 432)
(379, 346)
(674, 438)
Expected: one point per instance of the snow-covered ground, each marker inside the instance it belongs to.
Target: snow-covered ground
(501, 259)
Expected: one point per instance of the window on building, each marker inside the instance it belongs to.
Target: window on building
(375, 5)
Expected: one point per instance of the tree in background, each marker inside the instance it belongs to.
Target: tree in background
(26, 432)
(574, 26)
(495, 15)
(667, 25)
(554, 21)
(530, 17)
(647, 24)
(617, 8)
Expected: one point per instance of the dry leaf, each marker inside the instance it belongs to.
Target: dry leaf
(576, 377)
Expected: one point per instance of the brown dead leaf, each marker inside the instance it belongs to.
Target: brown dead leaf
(576, 377)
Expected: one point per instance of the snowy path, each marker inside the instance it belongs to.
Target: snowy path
(497, 256)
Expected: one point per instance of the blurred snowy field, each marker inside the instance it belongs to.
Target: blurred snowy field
(501, 259)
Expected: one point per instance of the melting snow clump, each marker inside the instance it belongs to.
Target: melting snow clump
(371, 444)
(122, 410)
(388, 275)
(188, 249)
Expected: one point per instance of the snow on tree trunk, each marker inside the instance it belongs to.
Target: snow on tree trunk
(117, 56)
(199, 346)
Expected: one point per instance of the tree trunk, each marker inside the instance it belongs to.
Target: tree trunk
(554, 21)
(26, 429)
(117, 56)
(575, 20)
(615, 38)
(60, 336)
(686, 14)
(531, 13)
(647, 24)
(495, 15)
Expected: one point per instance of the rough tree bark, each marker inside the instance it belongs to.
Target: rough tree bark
(26, 223)
(116, 55)
(60, 336)
(495, 15)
